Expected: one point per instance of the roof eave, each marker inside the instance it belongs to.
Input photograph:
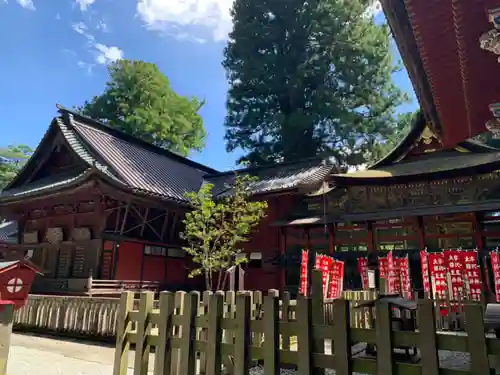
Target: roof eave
(401, 28)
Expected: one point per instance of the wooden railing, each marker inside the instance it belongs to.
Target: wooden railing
(95, 317)
(92, 287)
(114, 287)
(75, 316)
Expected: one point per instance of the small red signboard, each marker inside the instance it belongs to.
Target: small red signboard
(337, 279)
(303, 272)
(495, 266)
(472, 274)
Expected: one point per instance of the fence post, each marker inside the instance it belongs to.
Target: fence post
(242, 335)
(187, 353)
(214, 336)
(383, 334)
(203, 331)
(141, 362)
(476, 339)
(304, 340)
(285, 336)
(318, 313)
(256, 314)
(123, 327)
(341, 344)
(271, 333)
(428, 341)
(163, 353)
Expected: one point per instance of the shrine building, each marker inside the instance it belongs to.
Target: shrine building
(95, 202)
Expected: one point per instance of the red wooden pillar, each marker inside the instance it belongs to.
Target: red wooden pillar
(421, 233)
(282, 245)
(371, 237)
(331, 237)
(478, 232)
(307, 237)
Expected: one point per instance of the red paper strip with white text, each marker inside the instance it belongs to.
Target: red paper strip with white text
(495, 266)
(425, 271)
(393, 279)
(326, 265)
(472, 274)
(382, 266)
(363, 268)
(454, 259)
(404, 270)
(337, 279)
(303, 272)
(437, 271)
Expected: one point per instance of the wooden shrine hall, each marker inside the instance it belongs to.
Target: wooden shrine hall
(440, 187)
(98, 209)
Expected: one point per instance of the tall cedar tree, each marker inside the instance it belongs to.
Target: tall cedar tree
(138, 100)
(308, 78)
(12, 159)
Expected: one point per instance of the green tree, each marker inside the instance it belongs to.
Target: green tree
(215, 229)
(12, 158)
(308, 78)
(138, 100)
(401, 129)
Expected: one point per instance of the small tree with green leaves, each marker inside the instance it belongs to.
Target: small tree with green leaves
(216, 228)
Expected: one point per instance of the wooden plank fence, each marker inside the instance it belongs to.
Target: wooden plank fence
(190, 334)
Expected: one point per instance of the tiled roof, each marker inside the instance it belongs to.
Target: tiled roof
(45, 184)
(141, 168)
(273, 178)
(147, 169)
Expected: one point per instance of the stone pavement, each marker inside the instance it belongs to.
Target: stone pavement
(31, 355)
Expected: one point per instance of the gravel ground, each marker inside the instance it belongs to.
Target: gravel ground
(30, 355)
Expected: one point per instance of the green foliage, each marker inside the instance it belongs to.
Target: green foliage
(216, 229)
(381, 149)
(138, 100)
(308, 78)
(12, 158)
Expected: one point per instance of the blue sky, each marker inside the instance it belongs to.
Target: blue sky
(56, 51)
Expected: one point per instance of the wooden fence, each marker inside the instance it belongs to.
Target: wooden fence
(187, 340)
(96, 317)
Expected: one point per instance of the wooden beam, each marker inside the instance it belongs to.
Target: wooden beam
(172, 228)
(125, 216)
(164, 226)
(144, 219)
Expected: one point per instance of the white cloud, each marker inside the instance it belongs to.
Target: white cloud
(103, 54)
(107, 54)
(84, 4)
(80, 28)
(27, 4)
(211, 14)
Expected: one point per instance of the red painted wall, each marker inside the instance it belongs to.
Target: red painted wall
(177, 274)
(129, 261)
(266, 239)
(154, 268)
